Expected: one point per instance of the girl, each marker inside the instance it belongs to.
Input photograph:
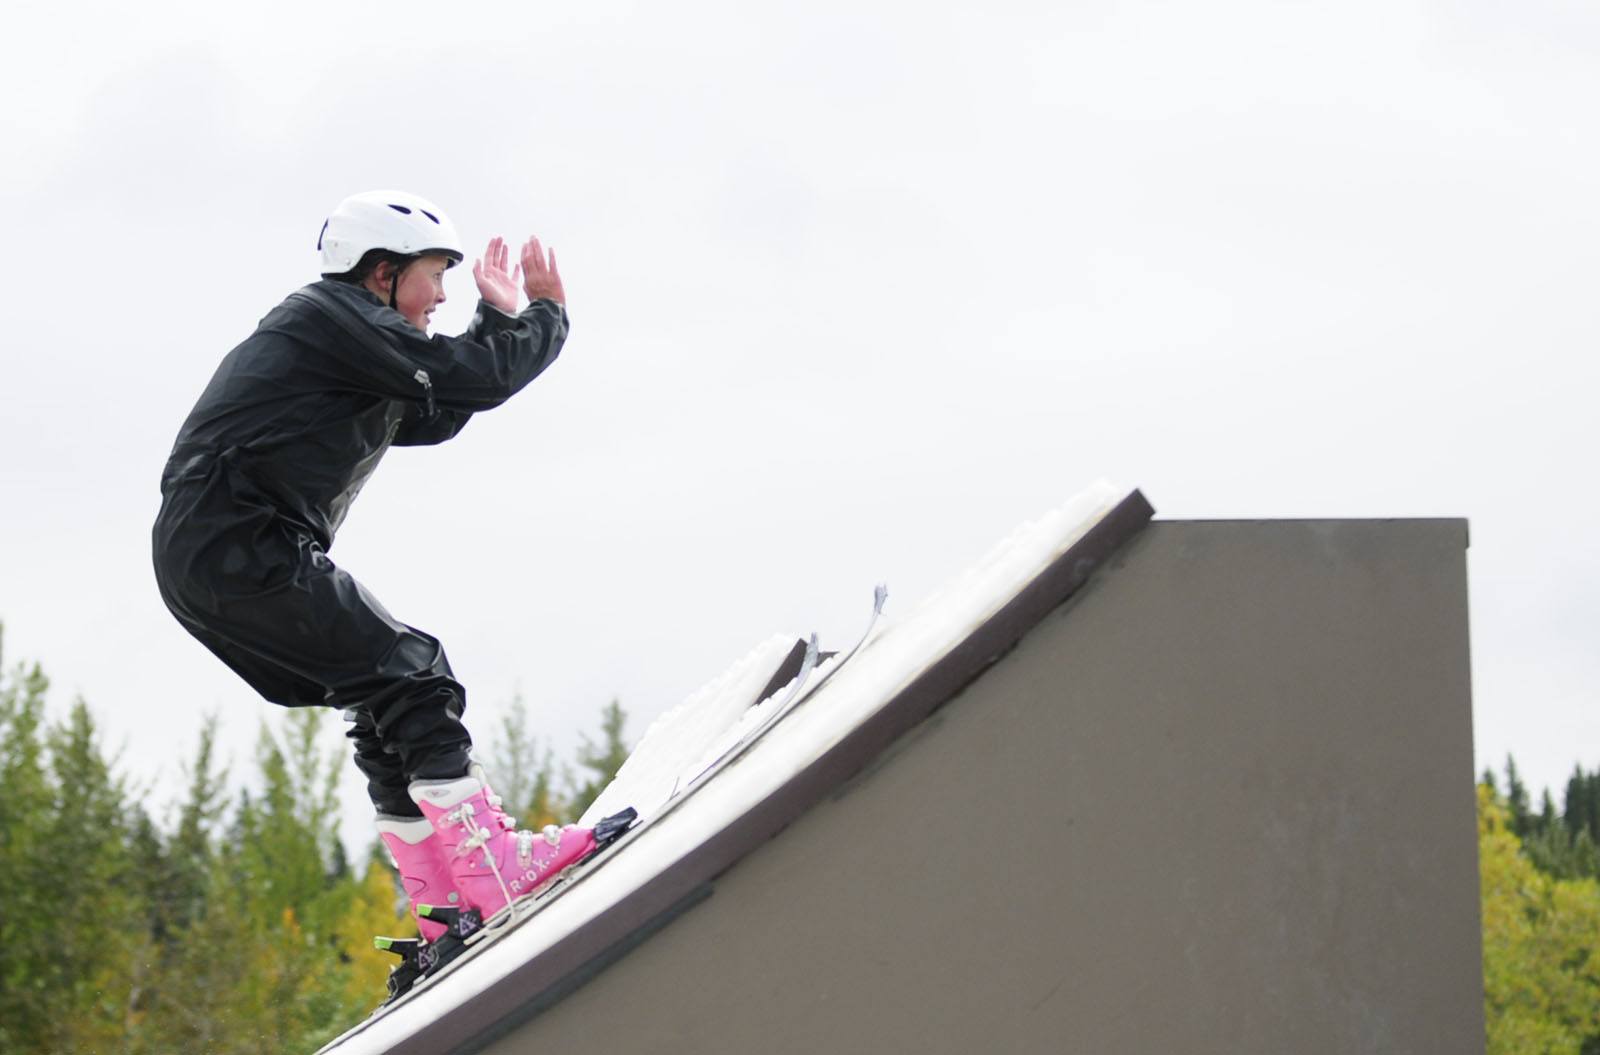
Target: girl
(262, 474)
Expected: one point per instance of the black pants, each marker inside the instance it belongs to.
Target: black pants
(265, 598)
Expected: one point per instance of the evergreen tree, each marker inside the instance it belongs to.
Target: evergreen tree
(181, 944)
(1516, 798)
(1581, 810)
(521, 773)
(191, 857)
(292, 906)
(1557, 854)
(151, 933)
(602, 759)
(27, 1004)
(1592, 809)
(262, 957)
(88, 839)
(1560, 845)
(70, 982)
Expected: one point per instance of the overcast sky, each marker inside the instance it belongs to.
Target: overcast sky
(856, 287)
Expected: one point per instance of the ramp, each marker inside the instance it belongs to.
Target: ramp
(1124, 786)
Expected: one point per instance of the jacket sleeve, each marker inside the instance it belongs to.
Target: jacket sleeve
(417, 431)
(492, 361)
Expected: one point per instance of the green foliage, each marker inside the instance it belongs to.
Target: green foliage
(1558, 854)
(267, 905)
(239, 925)
(88, 850)
(1541, 946)
(25, 800)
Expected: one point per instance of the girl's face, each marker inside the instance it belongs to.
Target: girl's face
(421, 290)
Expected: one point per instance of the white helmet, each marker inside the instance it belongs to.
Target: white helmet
(385, 219)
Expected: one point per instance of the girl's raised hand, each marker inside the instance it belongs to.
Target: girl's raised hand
(495, 284)
(540, 279)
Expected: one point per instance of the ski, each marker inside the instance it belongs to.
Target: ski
(880, 594)
(468, 934)
(802, 690)
(807, 665)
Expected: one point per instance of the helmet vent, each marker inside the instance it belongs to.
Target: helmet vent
(429, 215)
(320, 234)
(400, 208)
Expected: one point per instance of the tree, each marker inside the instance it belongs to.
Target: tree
(25, 802)
(1564, 845)
(190, 857)
(1557, 854)
(1541, 967)
(291, 904)
(262, 962)
(601, 759)
(521, 774)
(1581, 810)
(372, 905)
(68, 842)
(229, 923)
(1516, 799)
(87, 864)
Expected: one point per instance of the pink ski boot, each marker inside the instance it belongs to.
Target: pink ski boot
(424, 868)
(491, 862)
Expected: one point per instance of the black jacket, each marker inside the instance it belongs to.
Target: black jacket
(306, 406)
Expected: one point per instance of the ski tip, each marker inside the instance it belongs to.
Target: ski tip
(609, 828)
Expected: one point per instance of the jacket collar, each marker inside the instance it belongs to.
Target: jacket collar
(372, 310)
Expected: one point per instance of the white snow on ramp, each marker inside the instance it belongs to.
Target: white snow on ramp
(897, 652)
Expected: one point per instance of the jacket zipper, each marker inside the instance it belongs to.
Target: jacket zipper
(427, 390)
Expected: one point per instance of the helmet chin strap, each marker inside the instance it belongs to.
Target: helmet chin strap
(394, 286)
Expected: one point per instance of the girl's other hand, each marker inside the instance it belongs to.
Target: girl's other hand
(495, 285)
(540, 279)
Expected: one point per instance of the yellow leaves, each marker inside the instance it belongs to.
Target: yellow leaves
(372, 910)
